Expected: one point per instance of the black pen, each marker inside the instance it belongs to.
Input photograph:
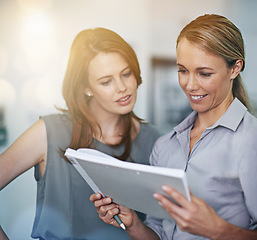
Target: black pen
(117, 218)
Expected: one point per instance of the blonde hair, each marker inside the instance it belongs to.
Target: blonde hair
(86, 45)
(217, 35)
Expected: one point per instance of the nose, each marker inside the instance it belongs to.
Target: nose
(192, 83)
(120, 85)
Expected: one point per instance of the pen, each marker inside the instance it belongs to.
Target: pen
(117, 218)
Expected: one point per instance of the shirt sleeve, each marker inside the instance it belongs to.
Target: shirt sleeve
(154, 154)
(247, 168)
(158, 148)
(155, 224)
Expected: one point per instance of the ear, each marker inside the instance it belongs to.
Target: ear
(88, 92)
(236, 69)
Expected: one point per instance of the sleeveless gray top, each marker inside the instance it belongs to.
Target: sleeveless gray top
(64, 210)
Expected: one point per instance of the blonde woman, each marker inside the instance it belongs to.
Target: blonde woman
(215, 145)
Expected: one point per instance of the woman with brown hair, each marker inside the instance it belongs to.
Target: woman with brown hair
(100, 90)
(215, 145)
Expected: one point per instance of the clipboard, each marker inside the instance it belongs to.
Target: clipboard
(129, 184)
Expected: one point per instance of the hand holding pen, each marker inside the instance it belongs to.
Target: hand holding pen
(108, 211)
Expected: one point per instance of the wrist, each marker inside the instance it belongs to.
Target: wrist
(136, 221)
(226, 231)
(139, 231)
(220, 231)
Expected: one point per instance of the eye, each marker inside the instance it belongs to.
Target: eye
(205, 74)
(181, 71)
(106, 82)
(127, 74)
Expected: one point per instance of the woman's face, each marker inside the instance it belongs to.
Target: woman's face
(205, 78)
(112, 85)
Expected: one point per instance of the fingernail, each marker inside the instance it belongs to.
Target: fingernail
(155, 195)
(107, 200)
(164, 188)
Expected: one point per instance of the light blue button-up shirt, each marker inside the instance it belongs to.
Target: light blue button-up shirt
(221, 168)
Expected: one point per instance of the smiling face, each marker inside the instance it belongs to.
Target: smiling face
(205, 78)
(112, 85)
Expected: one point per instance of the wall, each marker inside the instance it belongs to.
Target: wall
(170, 16)
(31, 70)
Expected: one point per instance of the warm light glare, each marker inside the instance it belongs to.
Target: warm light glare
(37, 24)
(38, 44)
(37, 35)
(32, 5)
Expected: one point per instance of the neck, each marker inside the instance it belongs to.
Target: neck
(111, 126)
(207, 119)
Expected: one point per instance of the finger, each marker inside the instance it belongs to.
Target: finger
(113, 222)
(95, 196)
(172, 208)
(108, 210)
(185, 210)
(179, 214)
(108, 217)
(102, 202)
(176, 196)
(123, 208)
(176, 209)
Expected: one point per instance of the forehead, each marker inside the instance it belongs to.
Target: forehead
(186, 48)
(106, 60)
(188, 54)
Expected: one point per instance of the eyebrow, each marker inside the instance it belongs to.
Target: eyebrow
(199, 68)
(107, 76)
(180, 65)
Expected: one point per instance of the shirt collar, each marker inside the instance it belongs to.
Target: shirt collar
(186, 123)
(233, 116)
(230, 119)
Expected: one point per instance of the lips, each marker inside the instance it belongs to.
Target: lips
(123, 99)
(197, 97)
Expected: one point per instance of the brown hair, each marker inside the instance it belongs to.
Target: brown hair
(217, 35)
(86, 45)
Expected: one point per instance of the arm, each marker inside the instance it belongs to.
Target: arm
(197, 217)
(28, 150)
(139, 231)
(134, 226)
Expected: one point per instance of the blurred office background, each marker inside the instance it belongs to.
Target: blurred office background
(35, 39)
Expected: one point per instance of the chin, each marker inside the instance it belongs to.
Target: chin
(199, 109)
(126, 111)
